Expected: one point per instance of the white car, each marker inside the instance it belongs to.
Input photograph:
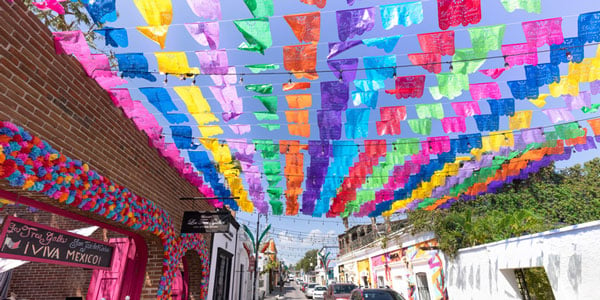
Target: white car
(319, 292)
(310, 288)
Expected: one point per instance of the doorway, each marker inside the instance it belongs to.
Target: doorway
(222, 275)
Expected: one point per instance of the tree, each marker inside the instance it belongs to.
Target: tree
(305, 263)
(546, 200)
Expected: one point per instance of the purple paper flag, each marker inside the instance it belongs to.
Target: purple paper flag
(334, 95)
(213, 62)
(354, 22)
(344, 68)
(558, 115)
(340, 47)
(584, 99)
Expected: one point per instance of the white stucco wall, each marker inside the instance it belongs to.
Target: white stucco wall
(570, 256)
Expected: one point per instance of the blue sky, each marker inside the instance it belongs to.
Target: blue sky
(299, 227)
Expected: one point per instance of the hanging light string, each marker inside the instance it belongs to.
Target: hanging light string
(224, 142)
(321, 71)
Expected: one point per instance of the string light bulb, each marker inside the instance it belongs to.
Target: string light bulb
(341, 79)
(506, 64)
(194, 81)
(395, 75)
(241, 78)
(166, 78)
(451, 67)
(569, 56)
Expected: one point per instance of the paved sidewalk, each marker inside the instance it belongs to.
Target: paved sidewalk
(291, 292)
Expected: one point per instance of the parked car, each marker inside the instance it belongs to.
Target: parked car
(375, 294)
(339, 291)
(309, 290)
(319, 292)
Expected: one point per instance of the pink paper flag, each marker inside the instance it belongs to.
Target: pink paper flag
(558, 115)
(435, 145)
(456, 12)
(206, 9)
(239, 129)
(51, 4)
(485, 90)
(428, 61)
(454, 124)
(228, 79)
(120, 96)
(548, 31)
(466, 109)
(71, 42)
(206, 33)
(493, 73)
(520, 54)
(437, 42)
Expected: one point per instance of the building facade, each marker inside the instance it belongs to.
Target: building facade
(379, 256)
(71, 159)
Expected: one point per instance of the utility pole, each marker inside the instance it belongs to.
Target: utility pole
(256, 258)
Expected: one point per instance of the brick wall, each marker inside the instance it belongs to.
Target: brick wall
(51, 96)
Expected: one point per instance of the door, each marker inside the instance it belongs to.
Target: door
(222, 275)
(107, 284)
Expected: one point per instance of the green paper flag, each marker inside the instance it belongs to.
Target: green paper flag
(569, 130)
(262, 67)
(260, 8)
(260, 88)
(407, 146)
(450, 85)
(270, 127)
(531, 6)
(272, 167)
(267, 149)
(270, 102)
(265, 115)
(273, 180)
(277, 207)
(257, 33)
(420, 126)
(427, 111)
(466, 61)
(486, 38)
(594, 108)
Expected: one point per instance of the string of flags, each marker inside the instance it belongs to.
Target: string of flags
(421, 155)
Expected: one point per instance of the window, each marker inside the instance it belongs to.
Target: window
(534, 284)
(423, 286)
(357, 295)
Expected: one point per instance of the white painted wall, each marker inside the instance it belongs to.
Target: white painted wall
(227, 242)
(570, 256)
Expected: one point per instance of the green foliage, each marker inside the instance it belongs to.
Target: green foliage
(546, 200)
(305, 263)
(538, 284)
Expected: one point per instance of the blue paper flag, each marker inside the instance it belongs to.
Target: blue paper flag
(468, 142)
(487, 122)
(386, 43)
(134, 65)
(404, 14)
(588, 27)
(560, 53)
(380, 67)
(367, 98)
(161, 100)
(542, 74)
(102, 11)
(344, 153)
(521, 89)
(502, 107)
(182, 137)
(114, 37)
(357, 123)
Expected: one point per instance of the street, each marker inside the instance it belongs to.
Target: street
(291, 292)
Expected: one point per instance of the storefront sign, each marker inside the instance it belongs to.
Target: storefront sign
(205, 222)
(26, 240)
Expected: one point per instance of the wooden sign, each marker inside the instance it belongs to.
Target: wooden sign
(26, 240)
(205, 222)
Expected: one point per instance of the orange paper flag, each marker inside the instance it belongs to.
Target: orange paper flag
(306, 27)
(156, 33)
(595, 124)
(298, 101)
(295, 86)
(297, 116)
(301, 60)
(299, 130)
